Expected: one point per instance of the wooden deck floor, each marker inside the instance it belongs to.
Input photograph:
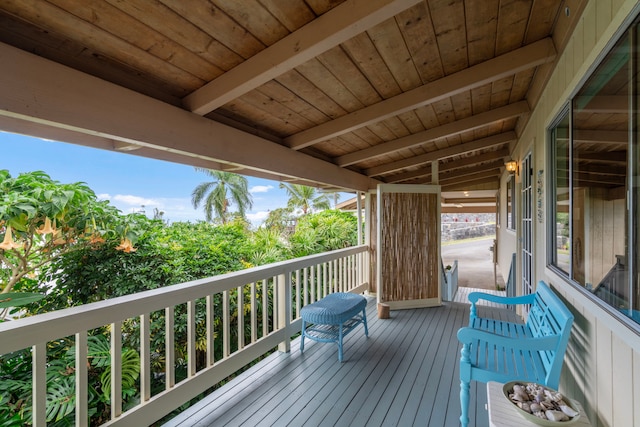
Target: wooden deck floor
(405, 373)
(462, 295)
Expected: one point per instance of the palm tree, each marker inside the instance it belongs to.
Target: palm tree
(305, 198)
(217, 195)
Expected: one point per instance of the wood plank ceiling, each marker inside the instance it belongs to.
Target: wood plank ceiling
(372, 88)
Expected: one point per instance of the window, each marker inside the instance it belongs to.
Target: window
(511, 199)
(594, 197)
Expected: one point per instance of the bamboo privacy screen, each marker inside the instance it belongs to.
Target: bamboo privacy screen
(407, 246)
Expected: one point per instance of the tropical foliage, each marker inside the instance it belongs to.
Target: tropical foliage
(86, 268)
(218, 195)
(42, 219)
(305, 198)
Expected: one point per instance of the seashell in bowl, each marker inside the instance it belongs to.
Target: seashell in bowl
(540, 404)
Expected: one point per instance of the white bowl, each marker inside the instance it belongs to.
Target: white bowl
(508, 388)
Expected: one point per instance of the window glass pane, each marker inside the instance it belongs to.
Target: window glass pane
(600, 139)
(560, 231)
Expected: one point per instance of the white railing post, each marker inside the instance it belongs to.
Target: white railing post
(82, 386)
(210, 331)
(226, 326)
(145, 358)
(240, 307)
(284, 309)
(116, 369)
(254, 314)
(191, 338)
(39, 371)
(169, 347)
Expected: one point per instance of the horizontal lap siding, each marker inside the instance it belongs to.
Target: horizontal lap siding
(602, 362)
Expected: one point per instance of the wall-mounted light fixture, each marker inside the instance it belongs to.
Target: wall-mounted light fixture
(511, 166)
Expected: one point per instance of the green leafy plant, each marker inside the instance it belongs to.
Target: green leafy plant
(42, 219)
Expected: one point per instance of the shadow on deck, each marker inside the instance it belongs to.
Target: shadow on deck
(405, 373)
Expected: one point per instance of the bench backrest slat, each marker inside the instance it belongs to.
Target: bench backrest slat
(548, 316)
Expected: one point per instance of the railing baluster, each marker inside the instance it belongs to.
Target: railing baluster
(39, 387)
(325, 281)
(226, 327)
(352, 271)
(210, 331)
(283, 284)
(340, 272)
(170, 347)
(298, 289)
(240, 305)
(332, 287)
(265, 309)
(145, 358)
(305, 288)
(312, 282)
(254, 314)
(116, 369)
(191, 338)
(82, 385)
(275, 311)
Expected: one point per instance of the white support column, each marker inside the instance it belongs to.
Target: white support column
(359, 210)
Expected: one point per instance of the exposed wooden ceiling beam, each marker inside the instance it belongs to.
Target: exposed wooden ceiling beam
(468, 209)
(468, 161)
(593, 136)
(492, 183)
(602, 104)
(339, 24)
(603, 157)
(470, 200)
(450, 129)
(478, 75)
(615, 170)
(452, 178)
(80, 104)
(457, 173)
(456, 150)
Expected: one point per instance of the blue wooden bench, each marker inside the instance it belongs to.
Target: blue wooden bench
(333, 317)
(496, 350)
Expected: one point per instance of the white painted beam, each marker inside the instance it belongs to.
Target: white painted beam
(51, 98)
(341, 23)
(478, 75)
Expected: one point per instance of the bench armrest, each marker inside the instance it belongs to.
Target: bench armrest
(467, 335)
(523, 299)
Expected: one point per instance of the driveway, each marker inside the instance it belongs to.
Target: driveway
(475, 263)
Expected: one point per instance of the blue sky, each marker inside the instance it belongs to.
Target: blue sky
(128, 181)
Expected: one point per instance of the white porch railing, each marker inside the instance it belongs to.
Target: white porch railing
(271, 297)
(449, 282)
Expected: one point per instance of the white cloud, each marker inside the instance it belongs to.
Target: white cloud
(257, 216)
(134, 200)
(260, 188)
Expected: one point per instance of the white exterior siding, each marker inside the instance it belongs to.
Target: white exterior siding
(602, 365)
